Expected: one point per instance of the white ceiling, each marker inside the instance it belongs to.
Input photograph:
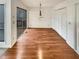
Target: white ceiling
(45, 3)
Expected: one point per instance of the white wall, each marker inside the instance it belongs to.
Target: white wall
(71, 19)
(36, 22)
(13, 22)
(10, 23)
(2, 1)
(14, 5)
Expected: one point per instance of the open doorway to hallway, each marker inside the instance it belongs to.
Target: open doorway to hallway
(21, 20)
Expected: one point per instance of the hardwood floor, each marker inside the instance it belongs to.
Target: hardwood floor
(40, 44)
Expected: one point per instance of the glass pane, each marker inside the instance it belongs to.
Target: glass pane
(21, 20)
(1, 23)
(1, 35)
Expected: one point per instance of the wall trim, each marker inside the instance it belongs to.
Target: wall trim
(59, 34)
(38, 28)
(77, 52)
(3, 50)
(66, 41)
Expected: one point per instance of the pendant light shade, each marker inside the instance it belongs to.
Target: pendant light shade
(40, 10)
(40, 13)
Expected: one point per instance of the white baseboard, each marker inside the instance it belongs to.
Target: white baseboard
(2, 51)
(77, 51)
(13, 43)
(59, 34)
(39, 27)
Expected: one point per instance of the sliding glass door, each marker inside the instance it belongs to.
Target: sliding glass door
(1, 22)
(21, 20)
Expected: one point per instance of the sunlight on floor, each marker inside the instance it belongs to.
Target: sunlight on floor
(40, 53)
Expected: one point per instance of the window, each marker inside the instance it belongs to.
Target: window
(1, 22)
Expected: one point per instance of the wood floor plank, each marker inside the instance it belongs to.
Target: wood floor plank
(40, 44)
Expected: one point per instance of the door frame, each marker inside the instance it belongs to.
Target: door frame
(76, 28)
(7, 27)
(26, 17)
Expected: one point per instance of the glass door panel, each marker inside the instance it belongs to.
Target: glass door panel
(21, 20)
(1, 22)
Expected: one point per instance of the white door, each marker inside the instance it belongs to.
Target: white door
(77, 22)
(58, 21)
(62, 22)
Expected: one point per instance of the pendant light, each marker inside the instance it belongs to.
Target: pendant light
(40, 10)
(40, 14)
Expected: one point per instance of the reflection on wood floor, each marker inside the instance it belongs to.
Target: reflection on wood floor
(20, 31)
(40, 44)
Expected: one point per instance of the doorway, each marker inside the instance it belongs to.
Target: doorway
(21, 20)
